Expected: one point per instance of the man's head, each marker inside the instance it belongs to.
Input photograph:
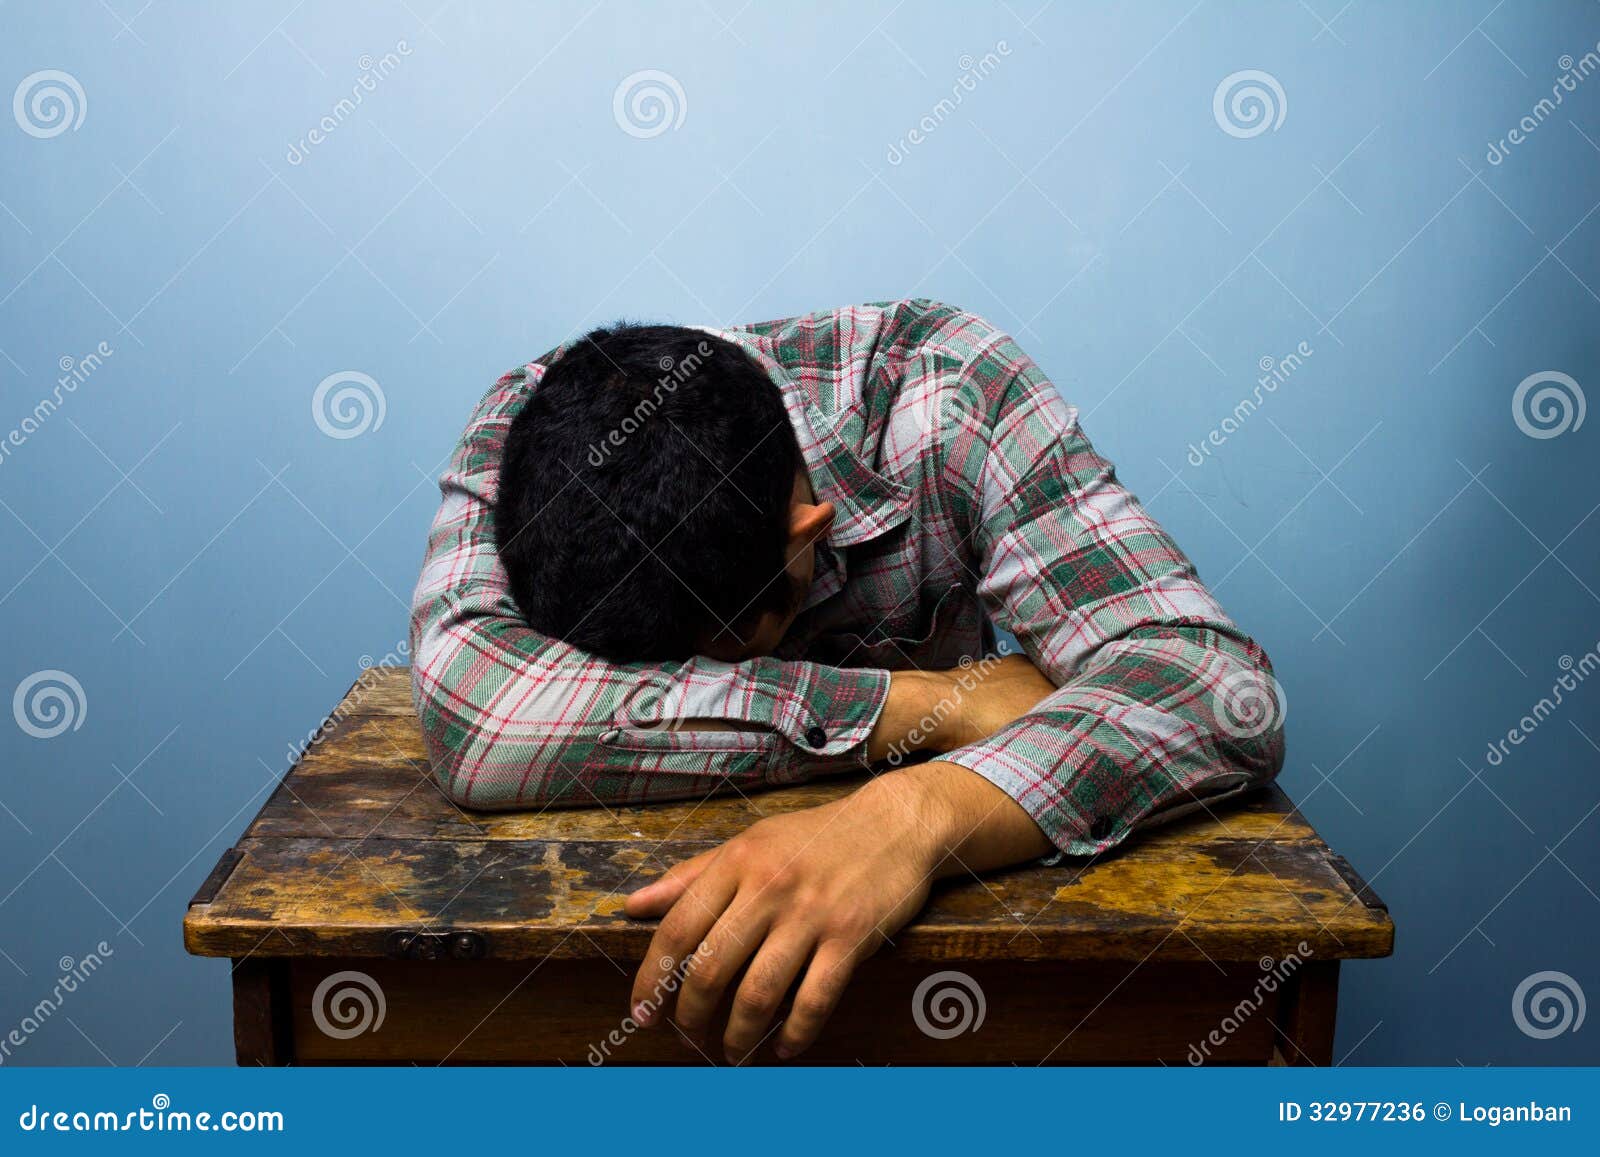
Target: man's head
(653, 500)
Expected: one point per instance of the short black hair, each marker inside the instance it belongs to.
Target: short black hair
(643, 505)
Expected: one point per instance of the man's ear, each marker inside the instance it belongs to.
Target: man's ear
(809, 521)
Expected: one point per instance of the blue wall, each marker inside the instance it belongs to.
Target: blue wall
(182, 538)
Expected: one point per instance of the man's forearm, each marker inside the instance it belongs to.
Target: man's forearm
(819, 889)
(907, 722)
(973, 825)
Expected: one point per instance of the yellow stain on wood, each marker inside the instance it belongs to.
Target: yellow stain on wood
(360, 839)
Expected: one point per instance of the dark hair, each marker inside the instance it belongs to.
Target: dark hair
(644, 494)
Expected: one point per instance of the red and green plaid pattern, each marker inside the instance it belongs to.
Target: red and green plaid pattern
(964, 487)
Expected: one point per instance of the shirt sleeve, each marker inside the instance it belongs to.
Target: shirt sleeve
(514, 719)
(1163, 704)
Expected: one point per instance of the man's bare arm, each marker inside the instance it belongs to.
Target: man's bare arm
(817, 891)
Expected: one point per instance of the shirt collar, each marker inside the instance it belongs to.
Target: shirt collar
(866, 503)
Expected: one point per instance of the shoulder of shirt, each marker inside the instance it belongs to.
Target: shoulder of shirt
(899, 328)
(906, 323)
(910, 320)
(889, 331)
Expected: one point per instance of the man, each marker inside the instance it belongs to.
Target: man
(675, 561)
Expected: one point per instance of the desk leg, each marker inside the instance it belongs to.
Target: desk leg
(262, 1031)
(1305, 1035)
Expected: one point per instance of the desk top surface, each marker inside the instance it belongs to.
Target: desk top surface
(358, 844)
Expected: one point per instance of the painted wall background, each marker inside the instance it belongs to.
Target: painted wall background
(1413, 542)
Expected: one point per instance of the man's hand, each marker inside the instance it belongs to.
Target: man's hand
(816, 892)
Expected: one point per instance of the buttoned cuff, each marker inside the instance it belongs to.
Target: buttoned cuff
(1048, 802)
(826, 719)
(1074, 773)
(1086, 787)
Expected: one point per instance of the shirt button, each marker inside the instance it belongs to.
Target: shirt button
(816, 736)
(1101, 828)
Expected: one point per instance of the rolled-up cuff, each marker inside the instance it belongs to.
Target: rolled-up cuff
(1084, 785)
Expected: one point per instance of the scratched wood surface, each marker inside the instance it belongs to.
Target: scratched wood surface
(563, 1011)
(358, 842)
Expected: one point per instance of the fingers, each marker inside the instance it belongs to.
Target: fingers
(721, 955)
(819, 995)
(656, 897)
(680, 933)
(765, 984)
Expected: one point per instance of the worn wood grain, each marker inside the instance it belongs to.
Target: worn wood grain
(262, 1031)
(572, 1012)
(358, 841)
(1310, 1007)
(1221, 898)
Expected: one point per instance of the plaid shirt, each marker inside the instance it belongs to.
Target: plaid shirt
(964, 489)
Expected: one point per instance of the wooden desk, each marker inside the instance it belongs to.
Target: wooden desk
(489, 938)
